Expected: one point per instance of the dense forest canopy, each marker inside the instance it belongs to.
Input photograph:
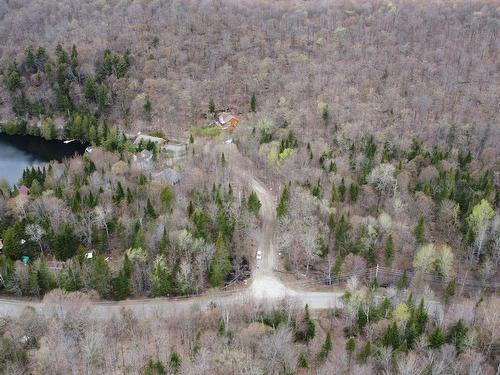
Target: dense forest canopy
(361, 164)
(402, 70)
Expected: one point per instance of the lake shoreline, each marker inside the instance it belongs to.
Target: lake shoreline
(18, 152)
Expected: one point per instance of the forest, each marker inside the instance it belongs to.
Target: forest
(104, 225)
(374, 127)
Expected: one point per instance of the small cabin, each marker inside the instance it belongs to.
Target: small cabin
(227, 119)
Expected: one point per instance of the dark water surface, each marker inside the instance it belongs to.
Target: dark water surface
(20, 151)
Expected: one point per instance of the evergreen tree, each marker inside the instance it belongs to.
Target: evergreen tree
(342, 190)
(148, 107)
(221, 328)
(121, 66)
(174, 362)
(302, 361)
(29, 58)
(409, 301)
(74, 59)
(307, 331)
(119, 193)
(202, 224)
(420, 317)
(164, 244)
(48, 130)
(331, 223)
(76, 201)
(410, 336)
(130, 197)
(334, 196)
(361, 319)
(106, 68)
(325, 115)
(161, 284)
(253, 203)
(436, 338)
(384, 308)
(370, 147)
(350, 346)
(65, 242)
(337, 266)
(353, 191)
(374, 284)
(403, 282)
(367, 251)
(89, 88)
(283, 202)
(316, 189)
(15, 243)
(47, 68)
(449, 291)
(69, 278)
(389, 250)
(61, 78)
(36, 189)
(211, 106)
(102, 97)
(457, 335)
(365, 352)
(34, 288)
(7, 270)
(120, 284)
(58, 192)
(149, 211)
(63, 100)
(190, 209)
(12, 78)
(40, 58)
(155, 367)
(391, 336)
(220, 265)
(167, 197)
(196, 345)
(223, 160)
(100, 276)
(253, 103)
(138, 237)
(420, 231)
(62, 55)
(342, 229)
(46, 281)
(102, 133)
(323, 248)
(326, 347)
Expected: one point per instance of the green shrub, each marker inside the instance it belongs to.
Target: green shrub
(13, 128)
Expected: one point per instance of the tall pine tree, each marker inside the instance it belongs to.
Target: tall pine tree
(221, 264)
(389, 251)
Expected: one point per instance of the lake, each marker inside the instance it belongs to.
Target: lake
(20, 151)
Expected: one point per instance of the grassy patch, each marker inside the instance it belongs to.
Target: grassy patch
(211, 132)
